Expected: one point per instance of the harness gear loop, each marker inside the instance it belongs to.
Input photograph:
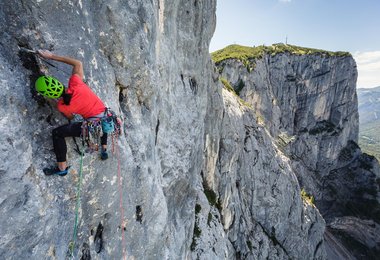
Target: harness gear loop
(94, 128)
(91, 134)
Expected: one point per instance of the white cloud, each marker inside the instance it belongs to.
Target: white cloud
(368, 68)
(367, 57)
(285, 1)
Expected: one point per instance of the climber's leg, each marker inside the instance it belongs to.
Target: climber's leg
(60, 147)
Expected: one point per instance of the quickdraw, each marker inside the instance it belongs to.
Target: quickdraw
(91, 133)
(94, 128)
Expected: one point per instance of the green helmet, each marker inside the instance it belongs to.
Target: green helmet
(49, 87)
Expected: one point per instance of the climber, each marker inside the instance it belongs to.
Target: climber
(78, 99)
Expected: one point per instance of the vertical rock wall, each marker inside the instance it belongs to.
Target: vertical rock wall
(147, 60)
(308, 102)
(309, 105)
(257, 194)
(193, 175)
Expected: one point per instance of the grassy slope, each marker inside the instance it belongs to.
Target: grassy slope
(245, 54)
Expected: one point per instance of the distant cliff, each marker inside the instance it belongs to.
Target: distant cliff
(369, 104)
(369, 118)
(200, 172)
(307, 99)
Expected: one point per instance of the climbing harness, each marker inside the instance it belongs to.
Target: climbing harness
(94, 127)
(91, 134)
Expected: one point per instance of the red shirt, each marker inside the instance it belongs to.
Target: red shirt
(84, 102)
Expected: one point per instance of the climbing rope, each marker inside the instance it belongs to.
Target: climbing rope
(78, 197)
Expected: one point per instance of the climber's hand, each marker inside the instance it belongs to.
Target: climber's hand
(45, 54)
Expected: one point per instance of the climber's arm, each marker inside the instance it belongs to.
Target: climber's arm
(77, 64)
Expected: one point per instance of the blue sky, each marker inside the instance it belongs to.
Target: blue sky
(334, 25)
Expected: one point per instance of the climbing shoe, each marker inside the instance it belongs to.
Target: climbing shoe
(104, 154)
(56, 170)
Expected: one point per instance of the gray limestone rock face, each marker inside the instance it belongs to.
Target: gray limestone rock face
(307, 101)
(256, 192)
(195, 174)
(149, 62)
(309, 105)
